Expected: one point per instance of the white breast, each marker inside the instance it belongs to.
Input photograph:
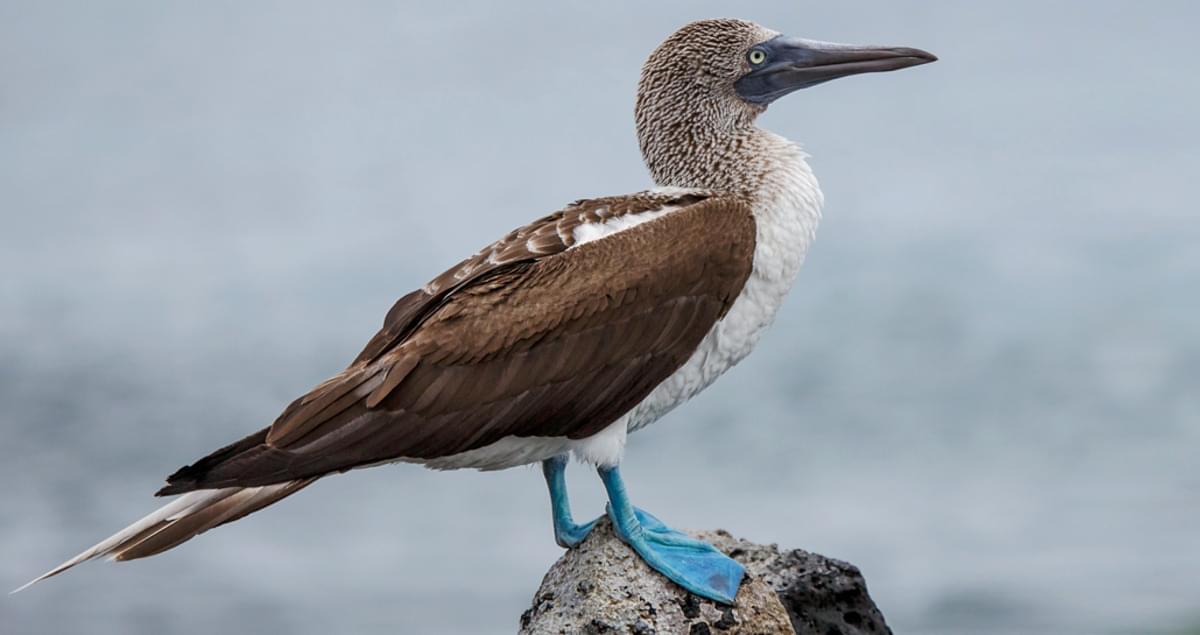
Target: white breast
(786, 219)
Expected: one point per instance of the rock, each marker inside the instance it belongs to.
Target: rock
(822, 596)
(601, 586)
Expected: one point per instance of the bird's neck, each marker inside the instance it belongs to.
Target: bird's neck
(766, 170)
(735, 159)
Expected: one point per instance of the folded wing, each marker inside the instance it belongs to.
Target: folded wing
(554, 331)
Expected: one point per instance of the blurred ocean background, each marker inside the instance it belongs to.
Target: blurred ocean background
(984, 390)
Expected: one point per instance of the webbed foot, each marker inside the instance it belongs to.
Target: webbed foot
(692, 564)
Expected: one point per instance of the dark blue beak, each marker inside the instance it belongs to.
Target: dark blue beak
(785, 64)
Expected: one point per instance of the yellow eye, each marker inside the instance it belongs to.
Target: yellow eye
(757, 57)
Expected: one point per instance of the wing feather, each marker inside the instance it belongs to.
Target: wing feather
(533, 336)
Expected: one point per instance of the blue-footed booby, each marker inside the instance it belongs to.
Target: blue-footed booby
(569, 333)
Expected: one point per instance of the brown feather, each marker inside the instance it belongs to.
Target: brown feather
(171, 534)
(395, 374)
(533, 336)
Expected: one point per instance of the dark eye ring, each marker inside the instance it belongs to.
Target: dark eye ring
(757, 56)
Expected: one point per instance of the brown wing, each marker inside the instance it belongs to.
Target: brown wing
(546, 236)
(513, 342)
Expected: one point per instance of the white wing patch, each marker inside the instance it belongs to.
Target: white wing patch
(587, 232)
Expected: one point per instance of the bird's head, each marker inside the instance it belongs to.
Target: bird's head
(713, 77)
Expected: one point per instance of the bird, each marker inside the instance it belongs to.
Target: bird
(569, 333)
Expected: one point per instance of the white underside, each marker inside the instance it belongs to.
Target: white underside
(602, 448)
(786, 222)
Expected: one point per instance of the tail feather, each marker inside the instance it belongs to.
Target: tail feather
(180, 520)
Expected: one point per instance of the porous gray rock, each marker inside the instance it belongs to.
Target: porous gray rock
(602, 586)
(822, 596)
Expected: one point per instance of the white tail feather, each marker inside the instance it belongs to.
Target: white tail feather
(241, 500)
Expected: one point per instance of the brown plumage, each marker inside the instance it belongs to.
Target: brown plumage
(510, 342)
(513, 342)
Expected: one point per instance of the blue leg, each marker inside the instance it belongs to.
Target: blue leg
(566, 532)
(692, 564)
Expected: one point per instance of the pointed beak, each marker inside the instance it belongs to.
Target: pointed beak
(789, 64)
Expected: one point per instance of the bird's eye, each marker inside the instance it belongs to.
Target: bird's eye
(757, 56)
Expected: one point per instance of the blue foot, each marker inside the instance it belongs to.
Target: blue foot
(692, 564)
(567, 533)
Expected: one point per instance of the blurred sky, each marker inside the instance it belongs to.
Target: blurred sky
(983, 390)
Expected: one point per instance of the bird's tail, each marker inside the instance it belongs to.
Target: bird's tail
(180, 520)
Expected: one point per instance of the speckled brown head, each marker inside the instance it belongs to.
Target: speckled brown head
(704, 86)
